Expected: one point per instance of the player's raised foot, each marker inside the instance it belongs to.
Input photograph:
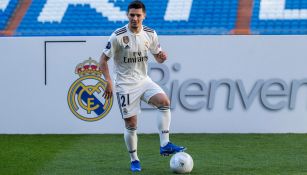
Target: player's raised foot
(135, 166)
(171, 149)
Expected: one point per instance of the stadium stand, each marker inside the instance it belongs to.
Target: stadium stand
(96, 17)
(279, 17)
(172, 17)
(7, 8)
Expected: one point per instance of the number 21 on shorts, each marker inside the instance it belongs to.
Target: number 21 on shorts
(124, 100)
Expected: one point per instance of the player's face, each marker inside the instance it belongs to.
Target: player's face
(136, 17)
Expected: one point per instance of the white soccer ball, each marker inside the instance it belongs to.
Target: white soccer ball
(181, 163)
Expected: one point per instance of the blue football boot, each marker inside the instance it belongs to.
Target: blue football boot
(135, 166)
(170, 148)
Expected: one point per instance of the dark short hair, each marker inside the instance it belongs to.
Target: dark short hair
(136, 4)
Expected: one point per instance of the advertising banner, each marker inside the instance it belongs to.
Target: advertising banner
(216, 84)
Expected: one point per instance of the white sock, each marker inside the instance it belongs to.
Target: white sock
(131, 141)
(163, 121)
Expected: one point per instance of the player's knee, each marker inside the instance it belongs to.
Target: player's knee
(159, 100)
(131, 126)
(131, 123)
(165, 103)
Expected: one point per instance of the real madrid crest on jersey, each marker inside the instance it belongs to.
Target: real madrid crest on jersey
(85, 98)
(126, 39)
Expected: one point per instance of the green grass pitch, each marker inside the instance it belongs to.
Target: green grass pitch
(213, 154)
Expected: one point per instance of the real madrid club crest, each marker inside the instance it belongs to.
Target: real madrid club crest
(85, 98)
(126, 39)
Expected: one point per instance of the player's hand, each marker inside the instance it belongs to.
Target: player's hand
(161, 57)
(108, 91)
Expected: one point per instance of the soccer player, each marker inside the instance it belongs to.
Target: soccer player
(129, 47)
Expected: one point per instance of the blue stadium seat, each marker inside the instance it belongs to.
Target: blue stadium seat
(276, 25)
(6, 12)
(206, 17)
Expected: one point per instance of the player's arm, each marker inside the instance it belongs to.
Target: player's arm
(156, 49)
(108, 53)
(106, 73)
(160, 57)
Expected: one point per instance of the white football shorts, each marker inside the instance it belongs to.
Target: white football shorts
(130, 102)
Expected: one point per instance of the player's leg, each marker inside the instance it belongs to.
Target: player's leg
(162, 103)
(131, 140)
(130, 106)
(155, 96)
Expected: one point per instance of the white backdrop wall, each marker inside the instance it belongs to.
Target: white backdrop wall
(217, 84)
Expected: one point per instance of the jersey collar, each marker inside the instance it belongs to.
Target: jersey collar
(129, 31)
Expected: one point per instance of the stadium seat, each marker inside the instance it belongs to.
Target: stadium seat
(6, 11)
(290, 20)
(209, 17)
(216, 15)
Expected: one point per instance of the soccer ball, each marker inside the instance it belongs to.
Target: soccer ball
(181, 163)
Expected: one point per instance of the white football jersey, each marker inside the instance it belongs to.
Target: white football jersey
(130, 53)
